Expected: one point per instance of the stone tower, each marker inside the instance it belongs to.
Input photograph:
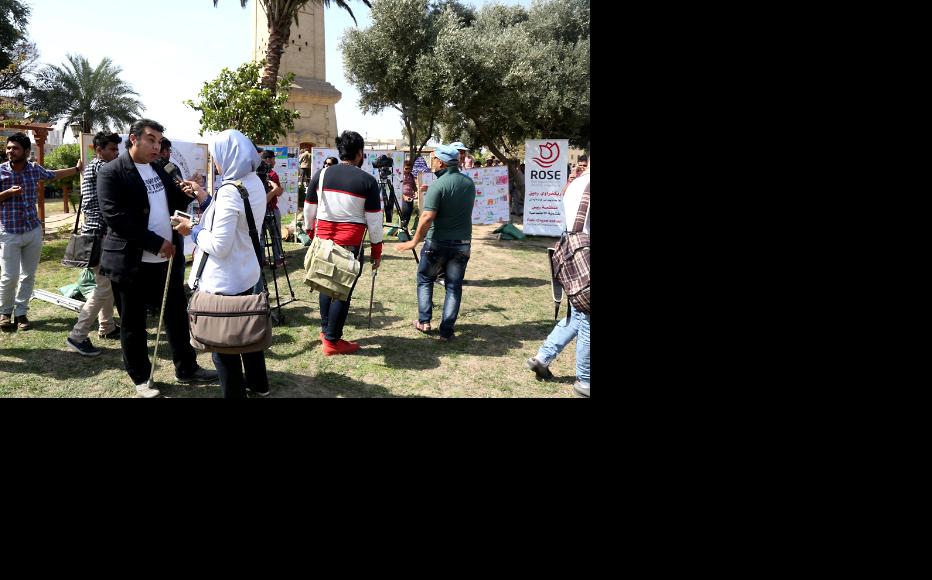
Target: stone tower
(313, 96)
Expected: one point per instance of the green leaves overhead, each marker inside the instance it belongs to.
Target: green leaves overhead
(495, 77)
(236, 100)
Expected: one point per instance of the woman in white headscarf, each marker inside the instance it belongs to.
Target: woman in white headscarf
(232, 267)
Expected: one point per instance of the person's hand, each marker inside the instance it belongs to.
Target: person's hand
(310, 233)
(167, 250)
(405, 246)
(375, 264)
(182, 225)
(14, 191)
(194, 189)
(79, 166)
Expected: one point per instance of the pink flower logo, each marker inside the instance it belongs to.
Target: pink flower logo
(548, 154)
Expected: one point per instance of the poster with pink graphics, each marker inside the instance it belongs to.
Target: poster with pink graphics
(545, 162)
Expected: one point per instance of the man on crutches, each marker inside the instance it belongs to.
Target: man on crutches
(137, 198)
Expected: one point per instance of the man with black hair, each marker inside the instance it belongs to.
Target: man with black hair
(137, 199)
(20, 229)
(351, 204)
(165, 153)
(274, 191)
(99, 304)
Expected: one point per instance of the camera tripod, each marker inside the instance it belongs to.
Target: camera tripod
(273, 245)
(387, 191)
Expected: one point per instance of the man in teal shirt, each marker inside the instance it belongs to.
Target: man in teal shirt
(447, 223)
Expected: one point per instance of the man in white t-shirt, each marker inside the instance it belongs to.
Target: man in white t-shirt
(137, 199)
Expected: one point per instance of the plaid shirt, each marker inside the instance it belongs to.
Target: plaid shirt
(89, 203)
(18, 214)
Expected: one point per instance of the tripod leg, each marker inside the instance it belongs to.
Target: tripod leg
(391, 188)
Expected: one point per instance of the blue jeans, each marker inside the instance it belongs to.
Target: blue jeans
(450, 257)
(562, 334)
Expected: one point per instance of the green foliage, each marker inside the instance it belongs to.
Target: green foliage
(23, 59)
(402, 77)
(520, 75)
(61, 157)
(494, 77)
(77, 91)
(14, 17)
(235, 100)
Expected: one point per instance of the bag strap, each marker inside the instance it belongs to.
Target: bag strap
(582, 212)
(77, 218)
(253, 234)
(320, 197)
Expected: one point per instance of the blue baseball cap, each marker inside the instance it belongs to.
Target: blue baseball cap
(447, 153)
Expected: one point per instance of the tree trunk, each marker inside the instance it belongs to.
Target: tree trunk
(279, 34)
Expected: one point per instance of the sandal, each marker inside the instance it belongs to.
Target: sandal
(418, 326)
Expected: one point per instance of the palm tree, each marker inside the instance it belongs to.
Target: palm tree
(280, 14)
(77, 91)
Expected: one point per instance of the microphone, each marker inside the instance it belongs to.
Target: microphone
(172, 170)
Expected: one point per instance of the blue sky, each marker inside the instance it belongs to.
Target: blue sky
(167, 49)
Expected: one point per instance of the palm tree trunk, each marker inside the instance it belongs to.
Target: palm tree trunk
(279, 34)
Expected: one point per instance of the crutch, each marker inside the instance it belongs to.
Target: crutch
(371, 296)
(158, 334)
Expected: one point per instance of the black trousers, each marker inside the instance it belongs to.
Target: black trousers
(407, 207)
(131, 299)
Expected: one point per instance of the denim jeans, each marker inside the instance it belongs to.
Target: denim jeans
(19, 254)
(450, 257)
(562, 334)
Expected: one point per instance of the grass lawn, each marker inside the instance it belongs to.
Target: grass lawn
(506, 313)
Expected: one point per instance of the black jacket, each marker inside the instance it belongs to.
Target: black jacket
(124, 207)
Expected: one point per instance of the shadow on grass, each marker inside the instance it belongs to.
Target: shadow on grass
(292, 386)
(506, 282)
(60, 364)
(421, 352)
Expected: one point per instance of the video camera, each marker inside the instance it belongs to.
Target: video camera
(384, 164)
(383, 161)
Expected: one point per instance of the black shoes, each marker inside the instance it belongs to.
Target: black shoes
(112, 335)
(84, 348)
(201, 375)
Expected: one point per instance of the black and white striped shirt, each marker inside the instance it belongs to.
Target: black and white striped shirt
(89, 204)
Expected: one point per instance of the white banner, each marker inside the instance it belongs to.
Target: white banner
(544, 179)
(491, 206)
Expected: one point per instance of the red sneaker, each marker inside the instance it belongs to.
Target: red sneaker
(339, 347)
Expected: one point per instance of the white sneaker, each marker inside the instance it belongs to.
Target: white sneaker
(146, 392)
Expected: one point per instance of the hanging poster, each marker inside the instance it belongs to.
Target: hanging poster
(492, 201)
(544, 180)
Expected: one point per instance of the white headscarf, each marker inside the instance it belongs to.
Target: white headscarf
(235, 154)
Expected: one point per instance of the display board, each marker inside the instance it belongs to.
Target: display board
(289, 172)
(492, 198)
(544, 179)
